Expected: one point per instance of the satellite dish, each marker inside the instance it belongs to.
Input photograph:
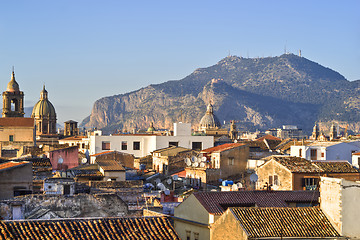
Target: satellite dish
(188, 162)
(195, 164)
(167, 192)
(193, 159)
(175, 177)
(84, 160)
(239, 185)
(202, 164)
(253, 177)
(40, 146)
(169, 181)
(60, 160)
(234, 187)
(161, 186)
(157, 180)
(203, 159)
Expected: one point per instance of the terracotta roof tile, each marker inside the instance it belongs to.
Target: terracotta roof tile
(97, 228)
(284, 222)
(217, 202)
(109, 165)
(11, 164)
(16, 122)
(268, 137)
(336, 166)
(73, 138)
(296, 164)
(222, 147)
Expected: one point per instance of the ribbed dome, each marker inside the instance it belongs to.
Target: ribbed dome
(209, 120)
(13, 86)
(43, 107)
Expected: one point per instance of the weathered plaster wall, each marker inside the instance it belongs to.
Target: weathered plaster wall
(81, 205)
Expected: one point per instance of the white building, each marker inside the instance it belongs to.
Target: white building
(141, 145)
(326, 150)
(356, 159)
(339, 201)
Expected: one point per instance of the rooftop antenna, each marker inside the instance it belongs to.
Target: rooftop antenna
(13, 68)
(299, 52)
(229, 54)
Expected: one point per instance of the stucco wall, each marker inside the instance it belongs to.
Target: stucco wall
(21, 176)
(191, 210)
(339, 200)
(240, 156)
(148, 143)
(69, 155)
(227, 227)
(272, 168)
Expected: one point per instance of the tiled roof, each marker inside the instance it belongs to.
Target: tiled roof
(336, 166)
(98, 228)
(90, 170)
(222, 147)
(171, 151)
(268, 137)
(40, 162)
(16, 122)
(73, 138)
(109, 165)
(11, 164)
(323, 144)
(296, 164)
(217, 202)
(284, 222)
(301, 165)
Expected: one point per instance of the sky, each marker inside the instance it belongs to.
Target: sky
(84, 50)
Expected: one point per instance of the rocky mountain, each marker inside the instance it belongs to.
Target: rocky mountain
(257, 92)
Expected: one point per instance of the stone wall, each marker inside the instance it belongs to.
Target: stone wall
(81, 205)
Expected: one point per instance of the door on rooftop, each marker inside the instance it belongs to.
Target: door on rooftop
(66, 189)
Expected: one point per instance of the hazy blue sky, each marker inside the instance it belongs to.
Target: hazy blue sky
(84, 50)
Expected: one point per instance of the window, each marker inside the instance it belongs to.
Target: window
(188, 235)
(322, 154)
(270, 180)
(124, 145)
(83, 145)
(11, 138)
(196, 236)
(175, 144)
(136, 146)
(276, 180)
(310, 183)
(105, 145)
(300, 152)
(231, 161)
(313, 154)
(197, 146)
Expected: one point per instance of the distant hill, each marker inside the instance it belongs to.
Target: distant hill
(259, 93)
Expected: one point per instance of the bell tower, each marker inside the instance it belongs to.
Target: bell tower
(13, 99)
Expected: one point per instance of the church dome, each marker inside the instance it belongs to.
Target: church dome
(43, 107)
(209, 120)
(13, 86)
(151, 128)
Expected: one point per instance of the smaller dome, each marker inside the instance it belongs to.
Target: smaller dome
(13, 86)
(151, 128)
(209, 120)
(44, 107)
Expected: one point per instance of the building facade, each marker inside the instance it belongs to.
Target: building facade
(141, 145)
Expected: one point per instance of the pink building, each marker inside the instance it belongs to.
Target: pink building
(64, 158)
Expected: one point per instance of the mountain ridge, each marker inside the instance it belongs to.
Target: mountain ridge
(288, 81)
